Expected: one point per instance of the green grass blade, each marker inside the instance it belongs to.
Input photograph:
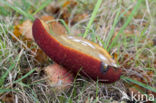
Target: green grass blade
(34, 96)
(19, 10)
(125, 24)
(110, 34)
(65, 25)
(2, 79)
(42, 6)
(97, 91)
(96, 8)
(27, 5)
(7, 90)
(139, 83)
(26, 75)
(4, 11)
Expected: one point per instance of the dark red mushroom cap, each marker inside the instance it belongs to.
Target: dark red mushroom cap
(75, 53)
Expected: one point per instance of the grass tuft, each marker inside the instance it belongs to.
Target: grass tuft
(134, 11)
(133, 45)
(96, 8)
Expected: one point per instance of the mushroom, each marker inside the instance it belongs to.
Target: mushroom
(77, 54)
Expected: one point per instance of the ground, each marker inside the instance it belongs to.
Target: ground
(125, 28)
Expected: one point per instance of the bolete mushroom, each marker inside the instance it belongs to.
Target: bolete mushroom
(77, 54)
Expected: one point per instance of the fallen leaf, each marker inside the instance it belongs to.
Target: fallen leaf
(40, 56)
(8, 98)
(115, 56)
(47, 18)
(66, 4)
(24, 33)
(26, 29)
(65, 14)
(154, 41)
(79, 17)
(53, 8)
(16, 31)
(62, 11)
(70, 3)
(66, 7)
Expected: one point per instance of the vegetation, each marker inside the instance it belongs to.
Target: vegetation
(125, 28)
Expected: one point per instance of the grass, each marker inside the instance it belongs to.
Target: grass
(44, 4)
(17, 9)
(139, 83)
(125, 24)
(97, 6)
(106, 18)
